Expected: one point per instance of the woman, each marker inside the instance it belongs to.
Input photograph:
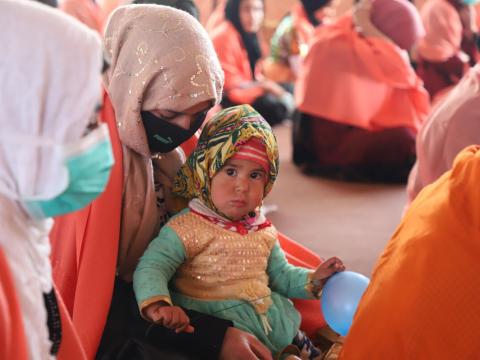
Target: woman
(452, 126)
(54, 157)
(424, 293)
(449, 46)
(290, 42)
(238, 49)
(359, 101)
(163, 77)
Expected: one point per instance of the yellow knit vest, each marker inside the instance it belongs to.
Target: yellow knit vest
(222, 264)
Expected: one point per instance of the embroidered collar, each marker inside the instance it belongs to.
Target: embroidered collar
(243, 227)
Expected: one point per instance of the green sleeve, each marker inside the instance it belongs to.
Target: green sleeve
(157, 265)
(286, 279)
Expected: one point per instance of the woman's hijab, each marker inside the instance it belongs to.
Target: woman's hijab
(50, 72)
(161, 58)
(250, 40)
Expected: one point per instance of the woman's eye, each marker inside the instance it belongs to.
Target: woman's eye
(230, 171)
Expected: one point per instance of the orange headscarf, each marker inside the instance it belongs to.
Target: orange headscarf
(364, 82)
(423, 301)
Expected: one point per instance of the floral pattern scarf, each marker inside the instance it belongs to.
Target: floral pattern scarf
(220, 139)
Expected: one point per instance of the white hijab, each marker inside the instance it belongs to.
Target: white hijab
(50, 75)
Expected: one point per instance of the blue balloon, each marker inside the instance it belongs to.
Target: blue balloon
(340, 297)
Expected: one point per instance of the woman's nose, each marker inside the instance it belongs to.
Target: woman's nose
(183, 121)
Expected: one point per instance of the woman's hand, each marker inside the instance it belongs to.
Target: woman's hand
(327, 269)
(172, 317)
(240, 345)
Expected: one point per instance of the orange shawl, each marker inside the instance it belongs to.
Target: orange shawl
(12, 335)
(364, 82)
(84, 252)
(423, 301)
(233, 57)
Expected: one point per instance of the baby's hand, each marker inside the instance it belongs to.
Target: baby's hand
(172, 317)
(327, 269)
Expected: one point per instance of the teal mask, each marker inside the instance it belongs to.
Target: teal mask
(88, 165)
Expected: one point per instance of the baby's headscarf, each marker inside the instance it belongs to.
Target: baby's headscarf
(221, 138)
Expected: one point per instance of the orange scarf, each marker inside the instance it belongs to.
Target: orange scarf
(364, 82)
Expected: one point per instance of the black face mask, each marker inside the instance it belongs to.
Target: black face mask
(163, 136)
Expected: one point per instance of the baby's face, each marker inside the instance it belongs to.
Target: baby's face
(238, 188)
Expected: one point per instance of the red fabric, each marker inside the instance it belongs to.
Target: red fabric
(12, 335)
(253, 150)
(312, 317)
(364, 82)
(234, 60)
(71, 347)
(84, 253)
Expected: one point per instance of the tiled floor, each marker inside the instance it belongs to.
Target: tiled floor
(352, 221)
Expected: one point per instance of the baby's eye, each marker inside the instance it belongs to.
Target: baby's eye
(257, 175)
(231, 171)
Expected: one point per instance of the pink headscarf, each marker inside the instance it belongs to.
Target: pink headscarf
(443, 31)
(453, 125)
(161, 58)
(399, 20)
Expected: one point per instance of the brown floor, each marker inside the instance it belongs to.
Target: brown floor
(351, 221)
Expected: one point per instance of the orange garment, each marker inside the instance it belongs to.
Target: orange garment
(84, 269)
(364, 82)
(13, 344)
(86, 11)
(304, 29)
(423, 301)
(71, 347)
(239, 82)
(84, 266)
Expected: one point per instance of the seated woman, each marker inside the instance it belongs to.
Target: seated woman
(95, 250)
(359, 101)
(424, 293)
(452, 126)
(289, 43)
(238, 49)
(448, 48)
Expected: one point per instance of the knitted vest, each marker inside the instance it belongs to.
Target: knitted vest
(222, 264)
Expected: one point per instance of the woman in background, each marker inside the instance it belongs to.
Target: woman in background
(360, 103)
(449, 46)
(238, 49)
(290, 42)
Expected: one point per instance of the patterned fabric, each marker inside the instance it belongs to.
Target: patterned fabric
(219, 141)
(253, 222)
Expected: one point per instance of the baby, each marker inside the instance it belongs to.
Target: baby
(221, 256)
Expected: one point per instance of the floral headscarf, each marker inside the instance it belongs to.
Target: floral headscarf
(219, 141)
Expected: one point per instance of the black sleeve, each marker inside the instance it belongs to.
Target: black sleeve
(204, 343)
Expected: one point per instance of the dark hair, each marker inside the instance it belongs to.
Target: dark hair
(250, 40)
(311, 6)
(185, 5)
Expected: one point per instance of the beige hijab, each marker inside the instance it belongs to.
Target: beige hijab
(161, 58)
